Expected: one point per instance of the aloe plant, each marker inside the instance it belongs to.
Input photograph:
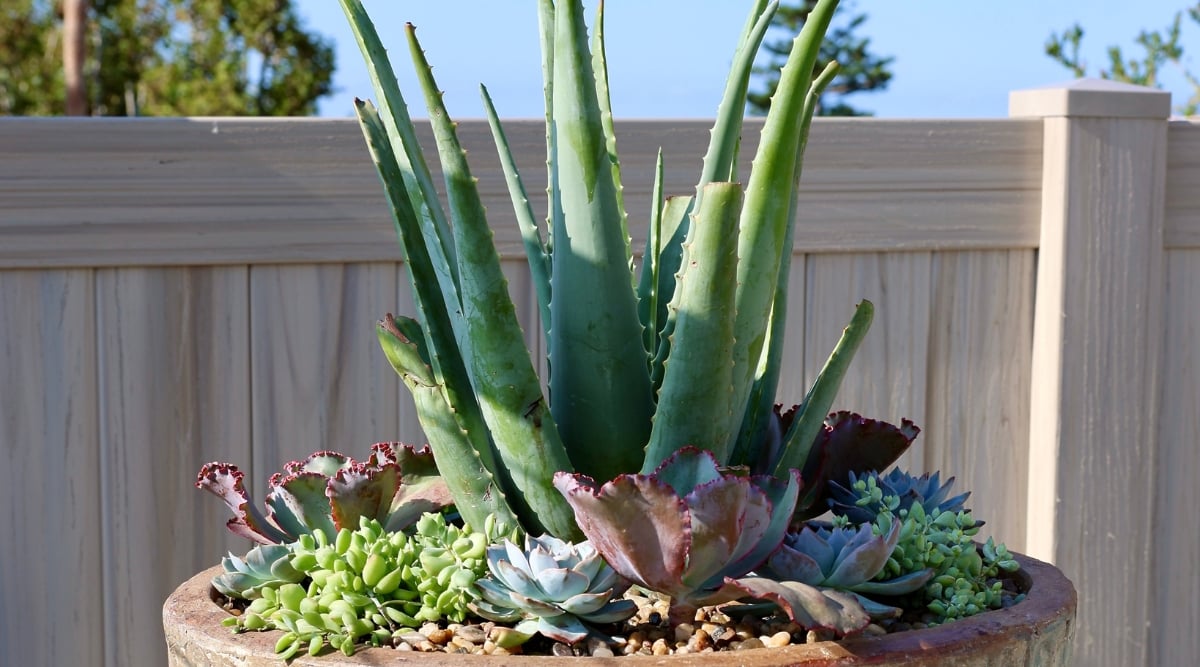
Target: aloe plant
(685, 354)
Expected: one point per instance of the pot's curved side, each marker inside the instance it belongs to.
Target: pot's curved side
(1038, 631)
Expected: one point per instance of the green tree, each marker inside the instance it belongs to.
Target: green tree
(1161, 47)
(167, 58)
(861, 70)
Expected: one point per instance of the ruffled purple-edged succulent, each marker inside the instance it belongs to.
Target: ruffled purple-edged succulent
(687, 528)
(330, 491)
(821, 577)
(848, 443)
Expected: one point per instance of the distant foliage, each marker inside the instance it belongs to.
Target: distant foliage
(167, 58)
(862, 71)
(1161, 48)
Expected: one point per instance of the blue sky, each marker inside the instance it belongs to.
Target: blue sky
(668, 58)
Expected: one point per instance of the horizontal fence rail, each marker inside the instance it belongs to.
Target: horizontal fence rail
(177, 291)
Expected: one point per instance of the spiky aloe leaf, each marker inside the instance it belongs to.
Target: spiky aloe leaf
(765, 219)
(804, 429)
(399, 130)
(599, 382)
(669, 259)
(600, 68)
(536, 251)
(694, 401)
(471, 482)
(491, 342)
(756, 419)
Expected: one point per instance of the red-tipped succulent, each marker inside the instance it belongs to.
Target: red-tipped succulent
(685, 529)
(330, 491)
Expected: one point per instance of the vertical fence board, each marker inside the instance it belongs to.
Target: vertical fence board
(1174, 640)
(887, 378)
(1097, 353)
(51, 600)
(319, 379)
(979, 347)
(174, 353)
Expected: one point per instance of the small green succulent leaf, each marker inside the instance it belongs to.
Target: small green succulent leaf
(648, 280)
(694, 400)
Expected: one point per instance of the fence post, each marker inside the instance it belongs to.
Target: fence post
(1097, 339)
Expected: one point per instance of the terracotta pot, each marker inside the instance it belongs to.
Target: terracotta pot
(1037, 631)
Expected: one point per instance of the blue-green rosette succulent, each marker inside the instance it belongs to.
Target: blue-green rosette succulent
(552, 587)
(821, 577)
(867, 495)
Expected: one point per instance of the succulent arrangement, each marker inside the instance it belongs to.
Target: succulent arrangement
(658, 458)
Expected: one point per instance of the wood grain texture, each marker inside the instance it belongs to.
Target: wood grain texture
(174, 349)
(1097, 345)
(51, 562)
(980, 342)
(113, 192)
(318, 378)
(888, 376)
(1176, 609)
(1181, 224)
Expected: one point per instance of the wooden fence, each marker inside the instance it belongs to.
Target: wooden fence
(178, 291)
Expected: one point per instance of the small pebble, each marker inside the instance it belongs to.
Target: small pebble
(404, 646)
(700, 641)
(874, 630)
(660, 647)
(412, 638)
(778, 639)
(472, 633)
(751, 643)
(439, 636)
(684, 632)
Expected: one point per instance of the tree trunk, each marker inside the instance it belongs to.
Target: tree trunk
(74, 31)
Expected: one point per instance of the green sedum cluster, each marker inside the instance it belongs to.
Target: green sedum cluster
(942, 539)
(367, 584)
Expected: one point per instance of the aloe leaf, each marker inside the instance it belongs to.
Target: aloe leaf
(766, 378)
(648, 282)
(600, 67)
(502, 374)
(720, 160)
(670, 257)
(765, 219)
(400, 132)
(436, 346)
(809, 421)
(693, 403)
(476, 492)
(535, 249)
(599, 384)
(553, 200)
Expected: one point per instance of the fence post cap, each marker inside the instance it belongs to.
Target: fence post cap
(1090, 97)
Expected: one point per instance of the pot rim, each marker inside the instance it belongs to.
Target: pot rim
(192, 622)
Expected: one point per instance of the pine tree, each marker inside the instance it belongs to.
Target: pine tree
(1161, 48)
(861, 70)
(166, 58)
